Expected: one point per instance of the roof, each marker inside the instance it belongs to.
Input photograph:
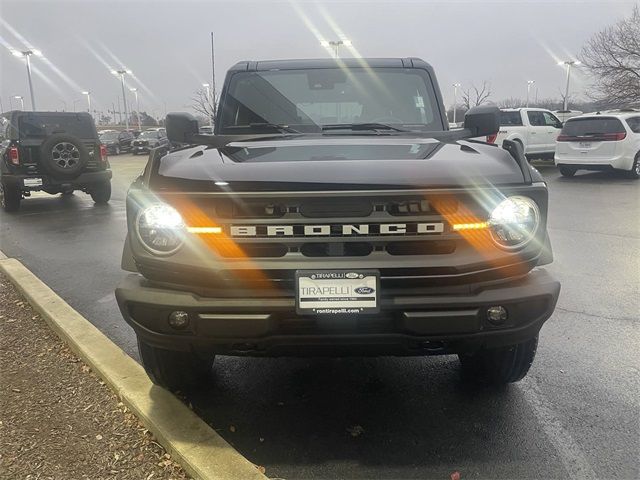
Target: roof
(294, 64)
(625, 113)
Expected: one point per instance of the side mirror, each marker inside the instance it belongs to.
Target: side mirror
(482, 120)
(181, 127)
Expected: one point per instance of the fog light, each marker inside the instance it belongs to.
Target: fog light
(497, 315)
(179, 319)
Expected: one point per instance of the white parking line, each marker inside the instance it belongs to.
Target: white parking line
(571, 455)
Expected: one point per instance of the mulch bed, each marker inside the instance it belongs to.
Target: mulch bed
(57, 419)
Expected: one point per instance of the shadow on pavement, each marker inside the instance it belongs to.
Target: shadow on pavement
(371, 418)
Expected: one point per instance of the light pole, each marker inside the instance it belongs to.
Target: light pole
(455, 100)
(121, 73)
(88, 94)
(27, 54)
(208, 89)
(64, 108)
(529, 83)
(569, 64)
(336, 44)
(21, 98)
(135, 92)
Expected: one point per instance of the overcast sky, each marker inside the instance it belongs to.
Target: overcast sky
(166, 44)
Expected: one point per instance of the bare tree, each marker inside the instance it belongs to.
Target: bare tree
(203, 105)
(511, 102)
(474, 96)
(612, 57)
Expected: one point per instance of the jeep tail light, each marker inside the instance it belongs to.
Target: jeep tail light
(14, 155)
(103, 153)
(492, 138)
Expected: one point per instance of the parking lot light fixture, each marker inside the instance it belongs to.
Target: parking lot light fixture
(569, 64)
(135, 92)
(336, 44)
(88, 94)
(529, 84)
(121, 73)
(21, 98)
(27, 54)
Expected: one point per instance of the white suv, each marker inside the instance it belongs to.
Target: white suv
(600, 141)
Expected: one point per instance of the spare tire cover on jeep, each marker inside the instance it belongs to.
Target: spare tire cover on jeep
(63, 155)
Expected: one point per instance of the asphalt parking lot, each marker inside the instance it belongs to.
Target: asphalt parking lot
(575, 415)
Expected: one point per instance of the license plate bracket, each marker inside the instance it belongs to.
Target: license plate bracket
(337, 292)
(32, 182)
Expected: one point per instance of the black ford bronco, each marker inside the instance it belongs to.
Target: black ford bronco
(54, 152)
(332, 212)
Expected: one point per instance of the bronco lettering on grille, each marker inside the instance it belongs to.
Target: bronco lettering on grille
(336, 230)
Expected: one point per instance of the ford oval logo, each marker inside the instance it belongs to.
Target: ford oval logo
(364, 290)
(352, 275)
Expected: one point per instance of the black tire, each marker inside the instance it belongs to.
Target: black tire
(566, 171)
(498, 366)
(68, 192)
(10, 197)
(133, 152)
(634, 172)
(101, 193)
(63, 156)
(174, 370)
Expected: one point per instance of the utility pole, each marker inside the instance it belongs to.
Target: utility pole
(88, 94)
(121, 73)
(569, 64)
(135, 92)
(213, 82)
(455, 100)
(529, 83)
(27, 54)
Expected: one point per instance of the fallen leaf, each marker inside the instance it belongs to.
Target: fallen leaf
(98, 437)
(232, 428)
(355, 430)
(261, 469)
(455, 475)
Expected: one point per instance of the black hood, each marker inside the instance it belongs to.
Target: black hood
(353, 162)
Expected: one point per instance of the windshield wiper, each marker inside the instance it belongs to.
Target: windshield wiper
(362, 126)
(276, 126)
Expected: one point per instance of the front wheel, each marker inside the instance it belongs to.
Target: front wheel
(567, 171)
(500, 365)
(10, 198)
(174, 370)
(634, 172)
(101, 193)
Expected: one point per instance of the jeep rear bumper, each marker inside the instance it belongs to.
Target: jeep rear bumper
(84, 180)
(406, 325)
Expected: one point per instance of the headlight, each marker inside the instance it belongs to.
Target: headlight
(161, 229)
(514, 222)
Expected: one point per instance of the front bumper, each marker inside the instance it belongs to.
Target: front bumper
(84, 180)
(141, 148)
(406, 325)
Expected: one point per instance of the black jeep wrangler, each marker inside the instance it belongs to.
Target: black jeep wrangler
(54, 152)
(333, 213)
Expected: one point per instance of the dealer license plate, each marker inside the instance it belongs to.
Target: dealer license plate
(32, 182)
(335, 292)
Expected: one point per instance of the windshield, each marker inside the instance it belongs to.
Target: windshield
(309, 99)
(109, 136)
(42, 125)
(148, 135)
(578, 127)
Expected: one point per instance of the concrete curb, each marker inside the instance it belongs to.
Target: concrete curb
(191, 442)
